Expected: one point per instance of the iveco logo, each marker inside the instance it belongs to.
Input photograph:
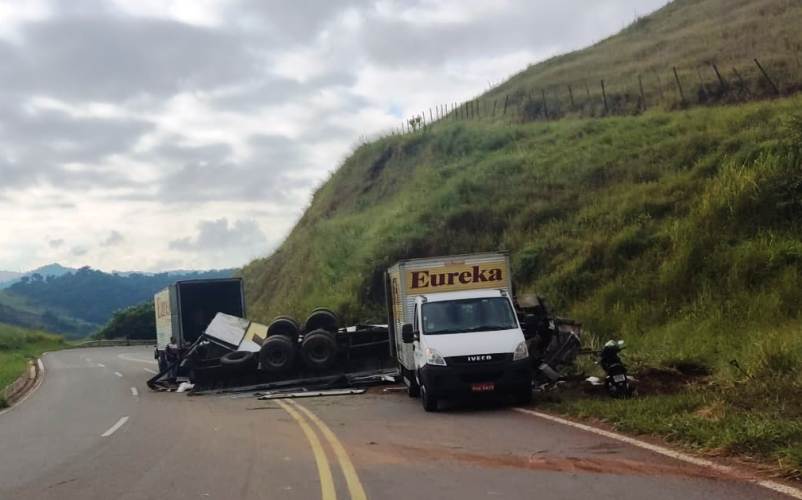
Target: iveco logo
(481, 357)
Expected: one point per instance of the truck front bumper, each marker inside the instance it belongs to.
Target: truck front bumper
(509, 377)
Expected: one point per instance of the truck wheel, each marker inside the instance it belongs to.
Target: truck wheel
(277, 353)
(236, 358)
(429, 402)
(283, 325)
(321, 319)
(523, 397)
(319, 350)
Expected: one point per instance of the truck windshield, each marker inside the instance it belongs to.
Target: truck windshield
(468, 315)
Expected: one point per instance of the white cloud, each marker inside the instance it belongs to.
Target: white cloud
(125, 122)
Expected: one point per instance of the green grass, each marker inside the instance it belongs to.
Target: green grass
(687, 34)
(749, 419)
(17, 346)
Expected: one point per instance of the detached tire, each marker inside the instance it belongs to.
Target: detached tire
(319, 350)
(277, 354)
(237, 358)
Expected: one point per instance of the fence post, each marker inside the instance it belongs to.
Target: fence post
(766, 76)
(571, 96)
(679, 86)
(604, 96)
(642, 96)
(506, 101)
(722, 83)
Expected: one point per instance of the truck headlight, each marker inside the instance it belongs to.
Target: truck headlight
(521, 352)
(433, 357)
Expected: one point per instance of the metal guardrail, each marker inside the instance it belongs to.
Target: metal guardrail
(112, 343)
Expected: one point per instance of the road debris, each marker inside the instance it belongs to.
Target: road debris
(309, 394)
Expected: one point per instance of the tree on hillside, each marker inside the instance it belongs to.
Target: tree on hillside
(136, 322)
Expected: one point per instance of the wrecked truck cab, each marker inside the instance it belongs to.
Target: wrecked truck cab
(468, 343)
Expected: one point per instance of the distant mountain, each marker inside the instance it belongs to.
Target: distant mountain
(77, 303)
(8, 278)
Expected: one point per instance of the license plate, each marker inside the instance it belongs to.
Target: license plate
(485, 387)
(619, 378)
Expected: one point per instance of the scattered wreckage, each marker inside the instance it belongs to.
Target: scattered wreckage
(453, 329)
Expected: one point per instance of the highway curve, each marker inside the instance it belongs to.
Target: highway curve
(92, 430)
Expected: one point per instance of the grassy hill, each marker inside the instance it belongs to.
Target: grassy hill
(678, 231)
(689, 35)
(17, 345)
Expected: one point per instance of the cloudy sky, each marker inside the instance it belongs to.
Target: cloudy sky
(164, 134)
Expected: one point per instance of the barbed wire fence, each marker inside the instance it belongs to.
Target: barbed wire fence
(674, 88)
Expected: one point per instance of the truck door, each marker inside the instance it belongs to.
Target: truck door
(416, 330)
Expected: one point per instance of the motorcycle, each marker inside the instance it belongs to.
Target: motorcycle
(617, 381)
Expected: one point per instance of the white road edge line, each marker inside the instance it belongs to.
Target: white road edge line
(151, 371)
(771, 485)
(115, 427)
(134, 392)
(119, 374)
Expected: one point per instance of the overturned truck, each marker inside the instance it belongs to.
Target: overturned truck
(203, 337)
(453, 327)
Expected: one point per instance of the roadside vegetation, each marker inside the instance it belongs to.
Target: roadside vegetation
(17, 346)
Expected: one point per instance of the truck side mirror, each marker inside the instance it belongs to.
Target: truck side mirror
(406, 333)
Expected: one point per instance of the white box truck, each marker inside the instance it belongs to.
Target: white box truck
(454, 328)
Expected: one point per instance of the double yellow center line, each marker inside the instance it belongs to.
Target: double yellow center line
(327, 490)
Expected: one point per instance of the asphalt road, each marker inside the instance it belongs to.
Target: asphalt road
(93, 430)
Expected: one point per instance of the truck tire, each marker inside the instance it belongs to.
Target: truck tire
(237, 358)
(321, 319)
(429, 402)
(319, 350)
(283, 325)
(523, 397)
(277, 353)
